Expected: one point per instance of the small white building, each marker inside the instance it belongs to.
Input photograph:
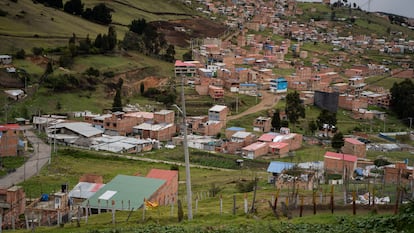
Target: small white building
(6, 59)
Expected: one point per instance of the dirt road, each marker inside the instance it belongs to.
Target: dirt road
(268, 101)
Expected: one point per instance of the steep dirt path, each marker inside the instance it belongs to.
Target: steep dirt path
(268, 100)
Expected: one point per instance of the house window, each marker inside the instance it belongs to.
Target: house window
(108, 124)
(114, 124)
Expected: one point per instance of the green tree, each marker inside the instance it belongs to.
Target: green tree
(98, 41)
(101, 14)
(49, 68)
(294, 107)
(170, 53)
(188, 56)
(276, 120)
(337, 141)
(21, 54)
(117, 104)
(111, 37)
(37, 51)
(312, 126)
(326, 117)
(138, 26)
(142, 88)
(73, 7)
(402, 98)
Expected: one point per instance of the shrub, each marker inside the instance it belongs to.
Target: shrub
(109, 74)
(3, 13)
(37, 51)
(21, 54)
(92, 72)
(245, 186)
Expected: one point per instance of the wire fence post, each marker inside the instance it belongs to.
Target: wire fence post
(245, 204)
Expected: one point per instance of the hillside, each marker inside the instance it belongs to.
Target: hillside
(28, 25)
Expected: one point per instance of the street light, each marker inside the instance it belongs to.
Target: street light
(186, 156)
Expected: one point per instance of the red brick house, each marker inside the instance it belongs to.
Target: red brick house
(279, 148)
(255, 150)
(184, 68)
(216, 92)
(354, 147)
(398, 172)
(9, 140)
(13, 204)
(262, 124)
(336, 162)
(168, 192)
(120, 124)
(164, 116)
(350, 102)
(239, 140)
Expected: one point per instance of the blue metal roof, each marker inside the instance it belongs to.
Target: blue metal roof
(236, 128)
(278, 167)
(248, 84)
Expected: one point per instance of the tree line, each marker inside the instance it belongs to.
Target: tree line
(99, 14)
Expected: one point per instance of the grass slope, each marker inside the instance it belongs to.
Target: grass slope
(53, 27)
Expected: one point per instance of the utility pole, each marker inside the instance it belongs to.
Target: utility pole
(186, 154)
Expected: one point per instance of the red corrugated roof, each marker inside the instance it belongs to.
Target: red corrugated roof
(162, 174)
(278, 145)
(340, 156)
(254, 146)
(353, 141)
(181, 63)
(9, 126)
(267, 137)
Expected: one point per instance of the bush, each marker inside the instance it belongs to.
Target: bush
(109, 74)
(92, 72)
(245, 186)
(21, 54)
(37, 51)
(3, 13)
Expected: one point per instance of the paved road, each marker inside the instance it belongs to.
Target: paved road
(39, 158)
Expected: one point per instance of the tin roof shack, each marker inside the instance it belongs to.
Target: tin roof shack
(125, 193)
(73, 133)
(12, 204)
(276, 168)
(168, 192)
(47, 210)
(232, 130)
(398, 173)
(88, 185)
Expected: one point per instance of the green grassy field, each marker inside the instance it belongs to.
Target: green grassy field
(30, 25)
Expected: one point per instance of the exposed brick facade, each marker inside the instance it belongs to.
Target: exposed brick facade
(8, 141)
(168, 192)
(354, 147)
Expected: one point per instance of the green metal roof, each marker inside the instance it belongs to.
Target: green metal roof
(125, 188)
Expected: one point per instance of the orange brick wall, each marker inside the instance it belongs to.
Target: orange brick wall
(8, 143)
